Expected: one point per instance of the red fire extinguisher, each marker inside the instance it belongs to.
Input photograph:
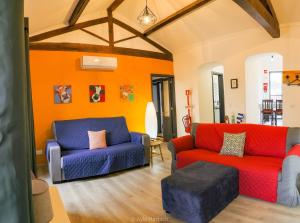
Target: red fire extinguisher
(187, 119)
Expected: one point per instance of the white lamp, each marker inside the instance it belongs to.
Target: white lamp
(151, 121)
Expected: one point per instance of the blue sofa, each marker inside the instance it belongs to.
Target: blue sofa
(69, 156)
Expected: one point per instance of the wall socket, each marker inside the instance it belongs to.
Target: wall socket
(39, 152)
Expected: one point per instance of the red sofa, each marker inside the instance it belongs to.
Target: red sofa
(267, 149)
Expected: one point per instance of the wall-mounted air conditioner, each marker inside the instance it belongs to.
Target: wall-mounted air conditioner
(99, 63)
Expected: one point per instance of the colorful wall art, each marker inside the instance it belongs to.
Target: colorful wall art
(127, 93)
(97, 93)
(62, 94)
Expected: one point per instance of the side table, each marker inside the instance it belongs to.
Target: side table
(155, 144)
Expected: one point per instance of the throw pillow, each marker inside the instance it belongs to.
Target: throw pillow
(233, 144)
(97, 140)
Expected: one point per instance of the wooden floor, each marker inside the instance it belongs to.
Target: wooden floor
(135, 196)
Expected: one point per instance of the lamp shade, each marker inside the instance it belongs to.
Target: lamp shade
(151, 120)
(42, 206)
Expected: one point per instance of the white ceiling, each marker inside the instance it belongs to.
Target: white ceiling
(219, 18)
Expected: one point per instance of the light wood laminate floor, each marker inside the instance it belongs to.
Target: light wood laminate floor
(135, 196)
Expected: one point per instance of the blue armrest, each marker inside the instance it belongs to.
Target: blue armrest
(136, 137)
(144, 139)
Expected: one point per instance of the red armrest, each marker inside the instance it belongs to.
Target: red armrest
(295, 150)
(183, 143)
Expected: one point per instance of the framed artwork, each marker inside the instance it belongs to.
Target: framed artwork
(62, 94)
(127, 93)
(234, 83)
(97, 93)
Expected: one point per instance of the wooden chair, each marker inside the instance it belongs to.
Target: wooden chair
(267, 110)
(278, 110)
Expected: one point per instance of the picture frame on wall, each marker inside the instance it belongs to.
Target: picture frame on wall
(127, 93)
(62, 94)
(97, 93)
(234, 83)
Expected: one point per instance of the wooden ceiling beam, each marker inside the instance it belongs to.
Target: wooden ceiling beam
(81, 5)
(171, 18)
(141, 35)
(60, 31)
(110, 9)
(264, 15)
(125, 39)
(94, 35)
(77, 47)
(115, 5)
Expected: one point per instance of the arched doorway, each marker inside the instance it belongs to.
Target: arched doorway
(263, 82)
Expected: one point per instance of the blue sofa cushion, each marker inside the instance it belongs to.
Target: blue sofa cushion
(73, 134)
(86, 163)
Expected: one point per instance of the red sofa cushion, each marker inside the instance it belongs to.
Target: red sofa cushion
(208, 137)
(266, 140)
(260, 140)
(258, 175)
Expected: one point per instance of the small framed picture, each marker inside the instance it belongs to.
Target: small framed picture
(62, 94)
(234, 83)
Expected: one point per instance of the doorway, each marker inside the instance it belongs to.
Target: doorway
(163, 96)
(218, 97)
(264, 88)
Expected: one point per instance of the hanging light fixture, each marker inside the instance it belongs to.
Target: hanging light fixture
(147, 17)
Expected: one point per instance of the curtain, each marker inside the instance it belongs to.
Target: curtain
(15, 183)
(31, 135)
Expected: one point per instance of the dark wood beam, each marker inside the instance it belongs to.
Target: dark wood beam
(264, 16)
(125, 39)
(77, 11)
(110, 28)
(110, 9)
(182, 12)
(99, 49)
(115, 5)
(141, 35)
(67, 29)
(94, 35)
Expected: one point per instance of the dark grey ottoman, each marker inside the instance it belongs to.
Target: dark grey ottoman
(198, 192)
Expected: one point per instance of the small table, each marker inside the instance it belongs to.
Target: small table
(155, 143)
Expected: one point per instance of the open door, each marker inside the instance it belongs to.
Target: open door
(163, 96)
(218, 97)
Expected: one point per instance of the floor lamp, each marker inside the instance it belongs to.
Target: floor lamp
(151, 120)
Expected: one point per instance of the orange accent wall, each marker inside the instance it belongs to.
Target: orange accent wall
(49, 68)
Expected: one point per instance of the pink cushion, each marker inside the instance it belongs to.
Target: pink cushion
(97, 140)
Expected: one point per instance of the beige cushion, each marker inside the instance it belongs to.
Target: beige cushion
(97, 140)
(233, 144)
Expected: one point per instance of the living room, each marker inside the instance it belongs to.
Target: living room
(101, 105)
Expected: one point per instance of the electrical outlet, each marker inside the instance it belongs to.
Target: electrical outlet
(39, 152)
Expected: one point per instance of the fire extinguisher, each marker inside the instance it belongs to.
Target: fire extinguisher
(187, 119)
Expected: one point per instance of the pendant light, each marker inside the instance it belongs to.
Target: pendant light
(147, 17)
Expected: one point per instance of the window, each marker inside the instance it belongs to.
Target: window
(276, 85)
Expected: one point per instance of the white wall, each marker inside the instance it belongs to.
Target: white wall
(232, 51)
(255, 77)
(205, 92)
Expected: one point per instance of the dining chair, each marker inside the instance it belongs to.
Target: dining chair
(278, 110)
(267, 111)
